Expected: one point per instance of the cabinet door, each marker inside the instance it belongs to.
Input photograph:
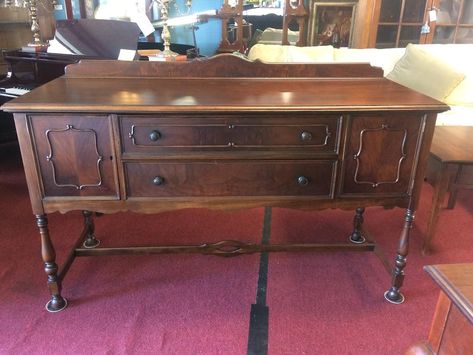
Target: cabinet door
(380, 154)
(75, 155)
(454, 22)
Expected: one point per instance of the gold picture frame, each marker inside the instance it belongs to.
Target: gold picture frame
(331, 23)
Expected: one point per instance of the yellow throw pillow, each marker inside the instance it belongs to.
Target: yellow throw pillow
(421, 71)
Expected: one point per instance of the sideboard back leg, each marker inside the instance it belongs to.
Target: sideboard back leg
(90, 241)
(393, 295)
(356, 236)
(57, 302)
(453, 189)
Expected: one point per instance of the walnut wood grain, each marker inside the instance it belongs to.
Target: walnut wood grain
(59, 140)
(225, 248)
(167, 132)
(398, 136)
(29, 162)
(118, 95)
(225, 137)
(224, 65)
(235, 178)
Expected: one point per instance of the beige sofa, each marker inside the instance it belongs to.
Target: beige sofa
(443, 71)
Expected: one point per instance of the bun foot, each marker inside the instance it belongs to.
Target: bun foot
(356, 238)
(393, 296)
(91, 243)
(56, 304)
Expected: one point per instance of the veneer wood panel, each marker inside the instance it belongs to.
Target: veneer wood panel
(223, 133)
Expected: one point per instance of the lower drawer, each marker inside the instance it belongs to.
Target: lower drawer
(245, 178)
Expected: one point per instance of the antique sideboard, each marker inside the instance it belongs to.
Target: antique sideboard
(221, 133)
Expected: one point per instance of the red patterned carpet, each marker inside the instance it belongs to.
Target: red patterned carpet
(319, 303)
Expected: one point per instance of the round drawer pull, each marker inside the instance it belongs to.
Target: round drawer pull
(154, 136)
(303, 181)
(158, 180)
(306, 136)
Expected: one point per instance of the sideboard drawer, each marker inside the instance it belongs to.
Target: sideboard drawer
(244, 178)
(157, 134)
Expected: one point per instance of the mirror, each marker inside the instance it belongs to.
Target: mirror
(265, 20)
(234, 25)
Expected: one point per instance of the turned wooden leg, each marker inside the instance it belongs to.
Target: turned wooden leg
(90, 241)
(441, 187)
(57, 302)
(393, 295)
(356, 236)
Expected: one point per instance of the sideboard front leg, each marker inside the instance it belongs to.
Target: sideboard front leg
(393, 295)
(90, 241)
(57, 302)
(357, 237)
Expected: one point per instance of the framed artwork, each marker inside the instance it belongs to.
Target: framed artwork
(331, 23)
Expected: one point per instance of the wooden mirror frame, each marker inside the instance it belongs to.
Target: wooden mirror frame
(228, 12)
(292, 13)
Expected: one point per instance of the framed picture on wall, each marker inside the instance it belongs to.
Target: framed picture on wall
(331, 23)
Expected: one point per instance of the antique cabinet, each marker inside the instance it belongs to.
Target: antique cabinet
(221, 133)
(397, 23)
(454, 22)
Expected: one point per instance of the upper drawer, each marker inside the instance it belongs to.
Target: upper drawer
(290, 131)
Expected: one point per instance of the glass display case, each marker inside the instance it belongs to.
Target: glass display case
(454, 22)
(401, 22)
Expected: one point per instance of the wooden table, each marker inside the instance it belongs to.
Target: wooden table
(451, 332)
(222, 133)
(450, 168)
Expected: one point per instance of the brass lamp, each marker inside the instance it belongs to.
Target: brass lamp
(32, 6)
(167, 54)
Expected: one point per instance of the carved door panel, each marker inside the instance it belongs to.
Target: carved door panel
(75, 155)
(381, 153)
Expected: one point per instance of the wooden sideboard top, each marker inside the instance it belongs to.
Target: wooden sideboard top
(217, 94)
(223, 84)
(456, 280)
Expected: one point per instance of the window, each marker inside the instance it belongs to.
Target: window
(400, 22)
(454, 22)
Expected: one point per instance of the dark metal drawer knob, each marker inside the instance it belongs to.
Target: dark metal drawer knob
(158, 180)
(306, 136)
(303, 181)
(154, 136)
